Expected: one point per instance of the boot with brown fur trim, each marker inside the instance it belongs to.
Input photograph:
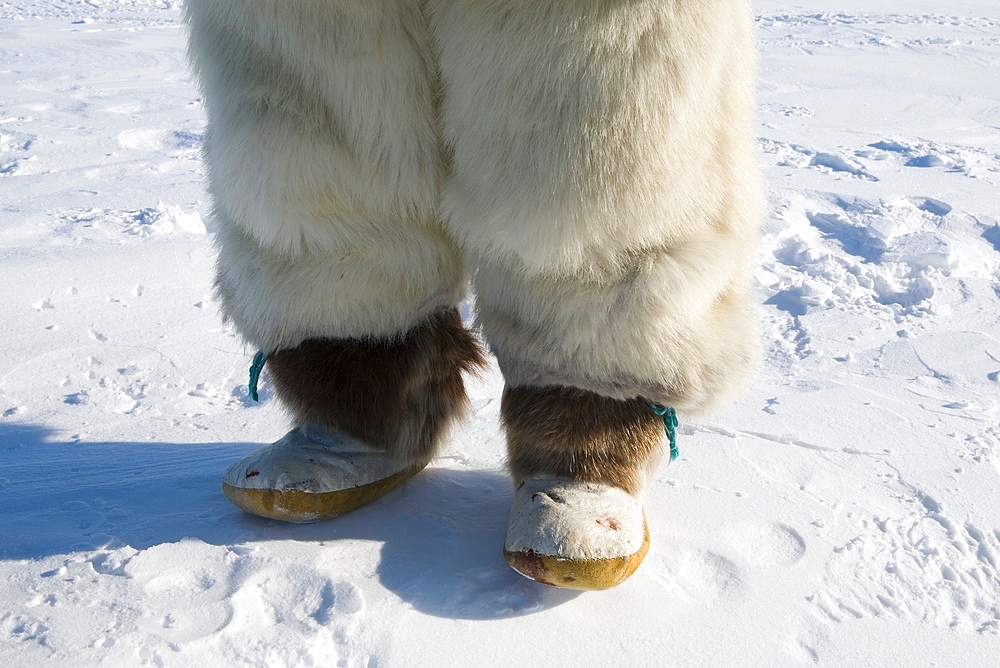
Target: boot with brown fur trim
(580, 463)
(370, 413)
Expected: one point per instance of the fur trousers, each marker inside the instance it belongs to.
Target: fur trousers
(589, 164)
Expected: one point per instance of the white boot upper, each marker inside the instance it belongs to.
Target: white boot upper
(312, 460)
(574, 520)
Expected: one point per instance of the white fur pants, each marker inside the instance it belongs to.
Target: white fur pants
(589, 162)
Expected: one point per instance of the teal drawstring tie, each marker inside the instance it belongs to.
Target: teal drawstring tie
(255, 368)
(669, 416)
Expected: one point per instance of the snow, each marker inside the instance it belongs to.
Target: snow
(844, 512)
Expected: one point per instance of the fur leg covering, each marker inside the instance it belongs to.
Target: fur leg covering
(370, 413)
(325, 168)
(324, 165)
(606, 183)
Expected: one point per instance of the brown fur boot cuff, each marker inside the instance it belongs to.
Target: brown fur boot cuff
(398, 395)
(580, 435)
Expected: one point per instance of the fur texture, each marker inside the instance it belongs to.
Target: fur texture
(604, 181)
(399, 396)
(324, 164)
(591, 160)
(564, 432)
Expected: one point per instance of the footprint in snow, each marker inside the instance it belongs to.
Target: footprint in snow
(768, 544)
(700, 574)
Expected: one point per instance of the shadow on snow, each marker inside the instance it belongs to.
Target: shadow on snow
(441, 533)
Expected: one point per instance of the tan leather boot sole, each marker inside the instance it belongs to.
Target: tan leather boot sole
(583, 574)
(575, 534)
(310, 475)
(294, 505)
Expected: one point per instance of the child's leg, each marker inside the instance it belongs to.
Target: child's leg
(605, 184)
(324, 165)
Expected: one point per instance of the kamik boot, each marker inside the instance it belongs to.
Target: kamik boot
(369, 413)
(580, 462)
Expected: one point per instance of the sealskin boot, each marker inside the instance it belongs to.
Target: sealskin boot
(370, 415)
(580, 462)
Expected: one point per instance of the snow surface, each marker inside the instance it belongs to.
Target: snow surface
(845, 512)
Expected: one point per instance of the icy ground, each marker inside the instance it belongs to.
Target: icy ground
(846, 512)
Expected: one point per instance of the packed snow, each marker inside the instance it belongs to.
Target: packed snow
(845, 512)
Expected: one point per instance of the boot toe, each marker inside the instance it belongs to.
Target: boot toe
(575, 535)
(310, 475)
